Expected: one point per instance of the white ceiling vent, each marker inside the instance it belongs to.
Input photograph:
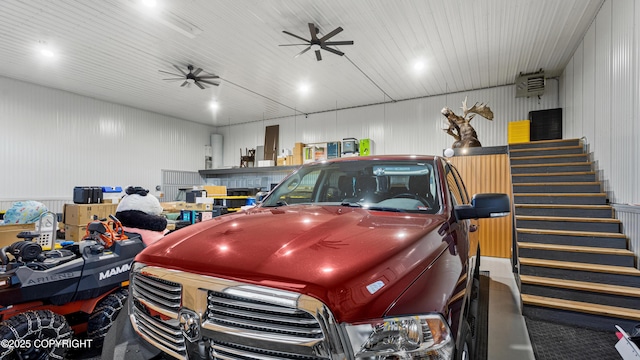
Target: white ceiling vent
(530, 84)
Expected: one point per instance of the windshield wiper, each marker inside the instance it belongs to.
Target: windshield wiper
(382, 208)
(350, 204)
(278, 203)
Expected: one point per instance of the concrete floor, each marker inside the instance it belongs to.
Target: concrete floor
(508, 337)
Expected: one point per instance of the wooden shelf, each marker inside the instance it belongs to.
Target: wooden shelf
(247, 170)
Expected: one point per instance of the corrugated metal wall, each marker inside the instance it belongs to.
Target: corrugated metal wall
(52, 140)
(599, 92)
(630, 217)
(173, 180)
(411, 126)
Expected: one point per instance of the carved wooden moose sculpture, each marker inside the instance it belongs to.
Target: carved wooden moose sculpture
(459, 126)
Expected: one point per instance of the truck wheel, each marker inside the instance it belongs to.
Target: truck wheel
(465, 350)
(31, 327)
(104, 315)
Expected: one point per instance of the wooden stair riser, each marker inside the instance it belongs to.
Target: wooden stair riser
(545, 144)
(573, 318)
(569, 212)
(567, 189)
(550, 178)
(630, 302)
(560, 199)
(569, 225)
(591, 241)
(581, 257)
(546, 152)
(548, 169)
(581, 275)
(549, 160)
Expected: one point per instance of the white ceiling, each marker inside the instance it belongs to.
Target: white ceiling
(112, 50)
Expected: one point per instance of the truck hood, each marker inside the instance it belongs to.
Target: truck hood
(345, 257)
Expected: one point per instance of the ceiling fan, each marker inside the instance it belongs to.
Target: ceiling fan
(191, 77)
(319, 43)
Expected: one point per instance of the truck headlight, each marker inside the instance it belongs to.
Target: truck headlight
(408, 337)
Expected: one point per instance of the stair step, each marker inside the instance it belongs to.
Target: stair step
(581, 285)
(548, 159)
(571, 270)
(556, 150)
(572, 233)
(582, 176)
(581, 254)
(568, 223)
(545, 143)
(583, 307)
(551, 168)
(595, 293)
(558, 187)
(561, 198)
(593, 211)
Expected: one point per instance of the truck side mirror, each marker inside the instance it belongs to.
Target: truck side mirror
(484, 206)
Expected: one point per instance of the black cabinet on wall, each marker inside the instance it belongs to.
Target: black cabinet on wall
(546, 124)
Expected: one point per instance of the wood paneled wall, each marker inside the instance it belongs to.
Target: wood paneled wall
(489, 174)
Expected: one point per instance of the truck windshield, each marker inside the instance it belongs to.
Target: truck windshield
(399, 186)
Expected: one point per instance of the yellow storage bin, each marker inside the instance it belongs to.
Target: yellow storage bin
(519, 131)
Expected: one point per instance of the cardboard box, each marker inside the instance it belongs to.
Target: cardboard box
(9, 233)
(172, 206)
(82, 214)
(297, 152)
(75, 232)
(215, 190)
(285, 160)
(192, 206)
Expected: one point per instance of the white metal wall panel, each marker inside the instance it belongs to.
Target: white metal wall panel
(173, 180)
(52, 140)
(630, 217)
(411, 126)
(612, 86)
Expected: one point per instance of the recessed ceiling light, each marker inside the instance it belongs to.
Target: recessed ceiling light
(214, 105)
(419, 65)
(304, 88)
(46, 53)
(149, 3)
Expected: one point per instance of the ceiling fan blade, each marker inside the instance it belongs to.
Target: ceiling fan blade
(296, 36)
(208, 77)
(331, 34)
(195, 73)
(303, 51)
(318, 56)
(208, 82)
(339, 43)
(314, 31)
(185, 83)
(293, 45)
(332, 50)
(174, 79)
(166, 72)
(181, 71)
(199, 85)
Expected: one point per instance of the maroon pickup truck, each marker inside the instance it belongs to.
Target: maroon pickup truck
(353, 258)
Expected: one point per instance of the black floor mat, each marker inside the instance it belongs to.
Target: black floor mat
(554, 341)
(482, 349)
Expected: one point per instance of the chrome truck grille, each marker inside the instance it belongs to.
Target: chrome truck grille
(235, 321)
(155, 308)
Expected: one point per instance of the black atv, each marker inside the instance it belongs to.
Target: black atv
(48, 296)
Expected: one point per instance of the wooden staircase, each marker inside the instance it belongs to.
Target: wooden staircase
(575, 265)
